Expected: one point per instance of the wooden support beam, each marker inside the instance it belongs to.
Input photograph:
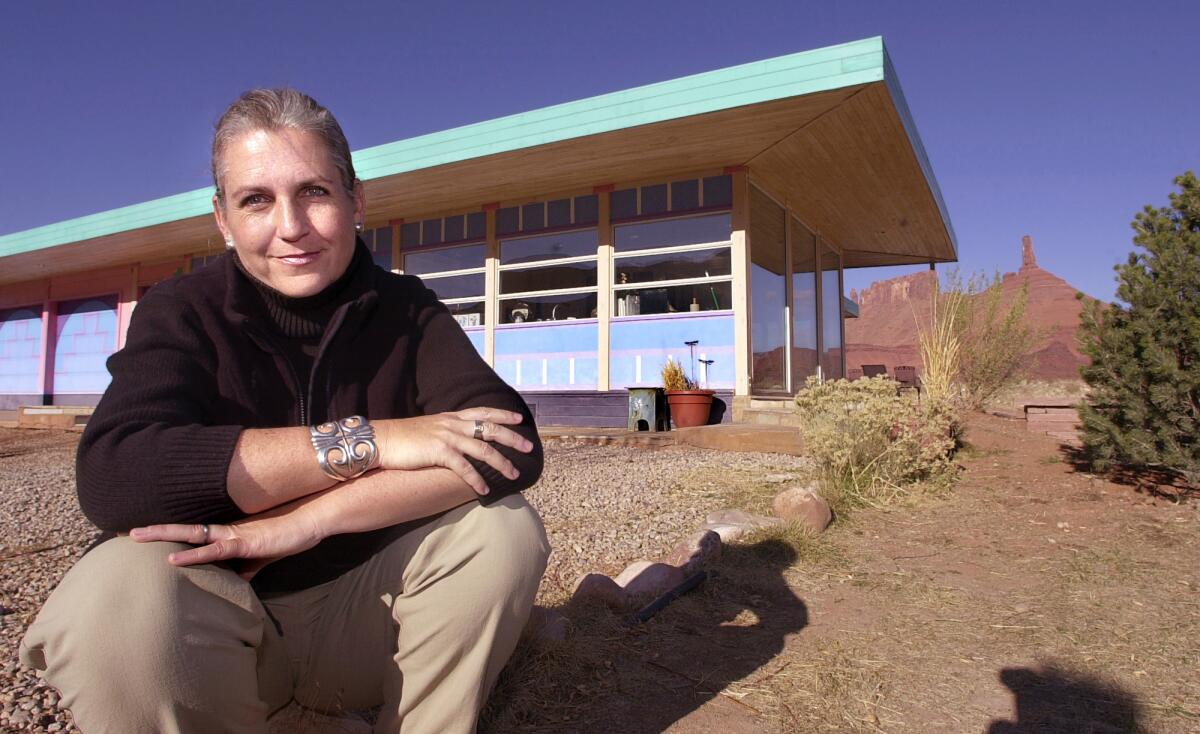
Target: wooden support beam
(740, 255)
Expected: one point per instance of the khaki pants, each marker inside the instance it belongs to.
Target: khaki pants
(423, 628)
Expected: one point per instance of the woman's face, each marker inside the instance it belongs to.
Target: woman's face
(286, 210)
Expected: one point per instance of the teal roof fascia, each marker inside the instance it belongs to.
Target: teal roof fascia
(807, 72)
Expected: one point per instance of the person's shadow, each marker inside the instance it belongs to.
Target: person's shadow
(645, 677)
(1053, 700)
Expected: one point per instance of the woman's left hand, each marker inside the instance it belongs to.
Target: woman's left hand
(259, 539)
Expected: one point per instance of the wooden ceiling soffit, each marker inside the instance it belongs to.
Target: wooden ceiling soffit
(178, 238)
(712, 140)
(853, 175)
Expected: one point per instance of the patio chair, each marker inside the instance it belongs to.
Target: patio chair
(874, 370)
(907, 377)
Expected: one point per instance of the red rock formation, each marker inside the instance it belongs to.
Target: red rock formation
(886, 330)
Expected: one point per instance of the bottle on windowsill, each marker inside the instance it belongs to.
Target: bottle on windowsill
(695, 305)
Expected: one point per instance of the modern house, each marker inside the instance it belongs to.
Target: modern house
(579, 245)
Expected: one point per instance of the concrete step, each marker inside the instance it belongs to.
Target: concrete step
(70, 417)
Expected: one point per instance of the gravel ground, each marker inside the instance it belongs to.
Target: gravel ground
(604, 507)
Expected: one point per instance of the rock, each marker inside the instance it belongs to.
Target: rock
(19, 718)
(741, 517)
(547, 625)
(646, 578)
(803, 506)
(733, 525)
(599, 588)
(726, 532)
(694, 552)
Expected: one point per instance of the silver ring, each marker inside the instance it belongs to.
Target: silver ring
(205, 529)
(478, 436)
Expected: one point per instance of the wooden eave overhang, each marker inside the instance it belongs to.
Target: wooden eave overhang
(828, 130)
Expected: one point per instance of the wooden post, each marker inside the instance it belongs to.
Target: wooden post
(395, 225)
(128, 302)
(46, 368)
(740, 253)
(491, 287)
(604, 289)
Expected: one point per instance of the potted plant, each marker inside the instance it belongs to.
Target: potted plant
(689, 406)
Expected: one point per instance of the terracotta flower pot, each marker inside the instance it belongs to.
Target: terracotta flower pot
(689, 407)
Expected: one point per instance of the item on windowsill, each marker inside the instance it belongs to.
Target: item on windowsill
(695, 305)
(519, 313)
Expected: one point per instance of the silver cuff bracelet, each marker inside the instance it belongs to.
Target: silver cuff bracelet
(346, 448)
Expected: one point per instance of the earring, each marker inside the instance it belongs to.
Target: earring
(358, 227)
(229, 244)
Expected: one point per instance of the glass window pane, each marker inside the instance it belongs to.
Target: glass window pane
(476, 225)
(624, 204)
(533, 217)
(549, 277)
(685, 195)
(718, 191)
(467, 314)
(448, 258)
(557, 307)
(674, 299)
(768, 288)
(454, 229)
(431, 232)
(577, 243)
(804, 304)
(383, 238)
(508, 220)
(672, 265)
(671, 232)
(410, 234)
(456, 286)
(654, 199)
(558, 213)
(831, 314)
(587, 209)
(379, 242)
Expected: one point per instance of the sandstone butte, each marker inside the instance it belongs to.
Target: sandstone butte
(886, 330)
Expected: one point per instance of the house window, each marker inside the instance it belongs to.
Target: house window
(455, 272)
(544, 215)
(676, 265)
(379, 242)
(677, 197)
(548, 277)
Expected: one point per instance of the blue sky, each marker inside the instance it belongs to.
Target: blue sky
(1055, 119)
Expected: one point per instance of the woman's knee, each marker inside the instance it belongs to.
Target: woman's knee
(514, 537)
(124, 598)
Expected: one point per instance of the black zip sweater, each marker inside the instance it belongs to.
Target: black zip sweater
(203, 361)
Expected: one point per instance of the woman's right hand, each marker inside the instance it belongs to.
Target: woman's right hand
(447, 439)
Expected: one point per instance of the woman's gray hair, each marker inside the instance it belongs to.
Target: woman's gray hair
(280, 109)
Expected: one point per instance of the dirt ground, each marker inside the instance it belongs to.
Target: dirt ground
(1031, 598)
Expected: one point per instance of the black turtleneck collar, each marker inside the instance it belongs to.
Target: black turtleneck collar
(305, 317)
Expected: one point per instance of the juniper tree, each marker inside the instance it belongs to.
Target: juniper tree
(1143, 409)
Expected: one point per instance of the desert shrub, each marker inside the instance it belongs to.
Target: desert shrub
(871, 444)
(974, 342)
(674, 378)
(996, 339)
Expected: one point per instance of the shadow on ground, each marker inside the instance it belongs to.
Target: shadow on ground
(1053, 700)
(1146, 480)
(612, 677)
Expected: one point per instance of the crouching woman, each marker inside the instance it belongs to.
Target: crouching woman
(311, 480)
